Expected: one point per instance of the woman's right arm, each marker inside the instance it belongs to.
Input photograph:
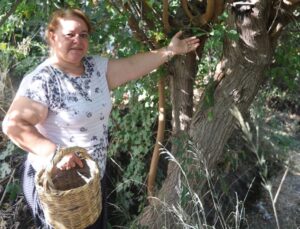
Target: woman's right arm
(19, 125)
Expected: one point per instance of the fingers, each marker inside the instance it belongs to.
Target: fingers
(183, 46)
(191, 44)
(69, 161)
(192, 40)
(69, 165)
(178, 34)
(78, 161)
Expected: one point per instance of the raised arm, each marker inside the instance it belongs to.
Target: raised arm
(121, 71)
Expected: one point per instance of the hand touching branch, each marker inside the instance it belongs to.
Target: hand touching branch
(179, 46)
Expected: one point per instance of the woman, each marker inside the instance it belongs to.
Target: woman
(66, 101)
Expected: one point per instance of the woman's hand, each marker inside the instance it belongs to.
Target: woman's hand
(69, 161)
(179, 46)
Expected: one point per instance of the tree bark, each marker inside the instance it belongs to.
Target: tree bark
(183, 70)
(242, 72)
(237, 80)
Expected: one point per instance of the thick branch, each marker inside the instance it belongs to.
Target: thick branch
(213, 10)
(219, 8)
(10, 12)
(209, 12)
(185, 7)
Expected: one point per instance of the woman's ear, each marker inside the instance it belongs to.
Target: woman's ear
(51, 37)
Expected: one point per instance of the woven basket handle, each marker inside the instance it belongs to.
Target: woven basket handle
(81, 152)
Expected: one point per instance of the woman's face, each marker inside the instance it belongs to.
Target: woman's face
(69, 41)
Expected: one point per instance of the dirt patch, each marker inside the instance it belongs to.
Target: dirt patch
(16, 215)
(286, 183)
(287, 205)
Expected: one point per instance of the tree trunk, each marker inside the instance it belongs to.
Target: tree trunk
(237, 80)
(183, 70)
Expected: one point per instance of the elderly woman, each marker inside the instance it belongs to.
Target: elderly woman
(66, 100)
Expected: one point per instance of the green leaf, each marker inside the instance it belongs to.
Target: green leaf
(3, 46)
(13, 190)
(4, 169)
(232, 34)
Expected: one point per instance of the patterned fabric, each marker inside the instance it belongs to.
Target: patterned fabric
(31, 195)
(78, 107)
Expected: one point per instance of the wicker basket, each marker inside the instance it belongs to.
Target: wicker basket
(70, 198)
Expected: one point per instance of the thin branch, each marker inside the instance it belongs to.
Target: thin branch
(159, 139)
(2, 109)
(277, 30)
(146, 10)
(9, 181)
(166, 23)
(275, 17)
(282, 19)
(113, 4)
(136, 8)
(134, 26)
(10, 12)
(280, 185)
(291, 2)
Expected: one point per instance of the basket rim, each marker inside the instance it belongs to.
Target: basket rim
(95, 174)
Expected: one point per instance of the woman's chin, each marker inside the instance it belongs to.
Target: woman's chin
(76, 55)
(75, 60)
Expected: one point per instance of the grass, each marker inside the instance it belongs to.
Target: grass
(192, 211)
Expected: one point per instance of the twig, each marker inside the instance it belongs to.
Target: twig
(10, 179)
(275, 17)
(4, 180)
(2, 109)
(273, 206)
(280, 185)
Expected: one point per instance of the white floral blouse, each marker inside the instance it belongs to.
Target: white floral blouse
(78, 107)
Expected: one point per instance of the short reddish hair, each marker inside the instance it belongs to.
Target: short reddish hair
(63, 13)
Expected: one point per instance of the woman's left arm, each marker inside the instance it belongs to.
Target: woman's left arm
(121, 71)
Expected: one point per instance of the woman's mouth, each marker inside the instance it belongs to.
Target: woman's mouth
(77, 49)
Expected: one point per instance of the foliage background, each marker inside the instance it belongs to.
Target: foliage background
(134, 117)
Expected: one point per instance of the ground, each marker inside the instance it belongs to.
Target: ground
(286, 184)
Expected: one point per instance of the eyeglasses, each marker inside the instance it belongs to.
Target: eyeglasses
(72, 36)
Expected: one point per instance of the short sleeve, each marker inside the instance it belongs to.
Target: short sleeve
(34, 87)
(101, 63)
